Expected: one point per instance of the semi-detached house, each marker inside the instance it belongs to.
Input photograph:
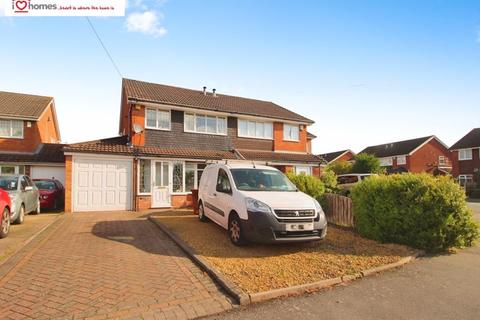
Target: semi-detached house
(30, 136)
(167, 137)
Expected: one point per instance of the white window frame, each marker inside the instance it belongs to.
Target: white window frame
(403, 158)
(465, 154)
(10, 136)
(466, 178)
(254, 136)
(285, 138)
(151, 177)
(302, 169)
(156, 119)
(442, 160)
(16, 168)
(204, 115)
(386, 162)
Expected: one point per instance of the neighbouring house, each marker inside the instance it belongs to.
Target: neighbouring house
(466, 158)
(426, 154)
(30, 136)
(167, 137)
(343, 155)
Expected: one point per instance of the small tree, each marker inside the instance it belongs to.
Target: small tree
(339, 167)
(366, 163)
(329, 179)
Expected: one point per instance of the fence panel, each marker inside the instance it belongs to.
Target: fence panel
(339, 210)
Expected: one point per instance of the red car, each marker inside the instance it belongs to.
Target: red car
(52, 193)
(5, 213)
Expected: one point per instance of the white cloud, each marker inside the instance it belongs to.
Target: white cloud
(147, 22)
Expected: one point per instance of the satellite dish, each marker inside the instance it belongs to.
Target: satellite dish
(137, 128)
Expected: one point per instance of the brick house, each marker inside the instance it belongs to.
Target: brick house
(167, 137)
(466, 158)
(427, 154)
(343, 155)
(29, 136)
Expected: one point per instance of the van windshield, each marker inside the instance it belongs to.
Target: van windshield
(8, 183)
(261, 180)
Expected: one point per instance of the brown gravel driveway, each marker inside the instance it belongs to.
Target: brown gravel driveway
(112, 265)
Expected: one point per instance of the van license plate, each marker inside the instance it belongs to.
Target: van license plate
(299, 226)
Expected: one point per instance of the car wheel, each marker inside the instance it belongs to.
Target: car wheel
(235, 231)
(5, 227)
(38, 209)
(21, 216)
(201, 213)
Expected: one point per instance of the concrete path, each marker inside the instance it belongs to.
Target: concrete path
(440, 287)
(105, 265)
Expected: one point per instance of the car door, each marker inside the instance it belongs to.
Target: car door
(223, 195)
(211, 205)
(25, 194)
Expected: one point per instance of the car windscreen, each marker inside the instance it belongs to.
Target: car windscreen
(45, 185)
(261, 180)
(9, 183)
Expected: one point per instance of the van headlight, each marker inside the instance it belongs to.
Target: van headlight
(318, 207)
(257, 206)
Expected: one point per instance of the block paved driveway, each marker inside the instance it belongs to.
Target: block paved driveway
(105, 265)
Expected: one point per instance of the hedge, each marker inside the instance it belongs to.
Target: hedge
(418, 210)
(310, 185)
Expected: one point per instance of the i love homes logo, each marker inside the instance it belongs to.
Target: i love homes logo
(65, 8)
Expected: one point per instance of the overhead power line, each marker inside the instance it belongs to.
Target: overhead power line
(104, 47)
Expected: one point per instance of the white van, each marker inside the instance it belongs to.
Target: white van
(259, 204)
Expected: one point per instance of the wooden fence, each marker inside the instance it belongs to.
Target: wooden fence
(339, 210)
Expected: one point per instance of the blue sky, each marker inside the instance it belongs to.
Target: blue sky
(366, 72)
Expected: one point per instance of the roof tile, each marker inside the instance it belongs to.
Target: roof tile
(19, 105)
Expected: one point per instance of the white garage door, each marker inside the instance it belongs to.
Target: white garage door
(101, 184)
(44, 172)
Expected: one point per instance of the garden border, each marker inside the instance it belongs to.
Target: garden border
(243, 298)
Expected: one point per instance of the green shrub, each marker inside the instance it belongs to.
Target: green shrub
(340, 167)
(311, 185)
(366, 163)
(329, 180)
(418, 210)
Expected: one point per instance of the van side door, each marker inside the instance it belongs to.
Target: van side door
(224, 194)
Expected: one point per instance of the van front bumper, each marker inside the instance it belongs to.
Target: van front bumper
(266, 228)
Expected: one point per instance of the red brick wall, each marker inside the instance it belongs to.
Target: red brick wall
(465, 166)
(41, 131)
(124, 127)
(143, 202)
(280, 145)
(426, 157)
(138, 117)
(68, 183)
(182, 201)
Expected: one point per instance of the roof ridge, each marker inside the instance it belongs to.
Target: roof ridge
(26, 94)
(407, 140)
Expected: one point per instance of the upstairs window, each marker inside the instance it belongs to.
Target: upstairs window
(442, 160)
(158, 119)
(200, 123)
(465, 154)
(11, 128)
(255, 129)
(291, 132)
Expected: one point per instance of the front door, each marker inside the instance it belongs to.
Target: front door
(161, 185)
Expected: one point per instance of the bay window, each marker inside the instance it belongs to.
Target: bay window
(201, 123)
(11, 128)
(255, 129)
(291, 132)
(157, 119)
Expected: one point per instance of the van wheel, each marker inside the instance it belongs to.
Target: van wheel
(5, 227)
(201, 213)
(235, 231)
(21, 216)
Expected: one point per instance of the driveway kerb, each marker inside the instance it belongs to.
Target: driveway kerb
(39, 237)
(243, 298)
